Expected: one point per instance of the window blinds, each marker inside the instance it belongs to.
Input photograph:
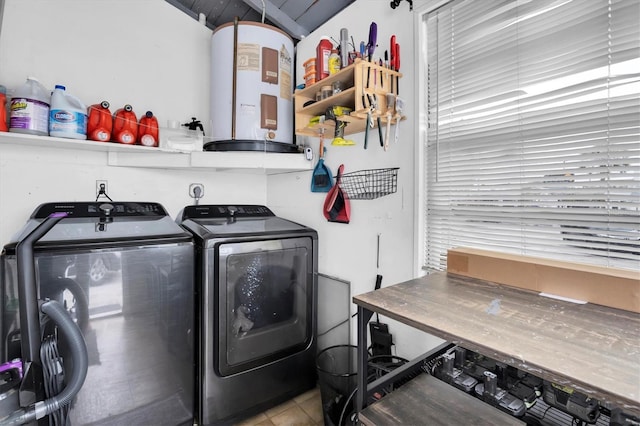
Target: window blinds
(533, 137)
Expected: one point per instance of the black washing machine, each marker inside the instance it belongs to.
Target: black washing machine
(257, 286)
(125, 272)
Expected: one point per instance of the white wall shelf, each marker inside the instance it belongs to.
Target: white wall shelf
(120, 155)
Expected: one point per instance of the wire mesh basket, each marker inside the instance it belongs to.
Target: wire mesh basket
(369, 184)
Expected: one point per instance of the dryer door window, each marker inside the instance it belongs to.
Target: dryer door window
(265, 301)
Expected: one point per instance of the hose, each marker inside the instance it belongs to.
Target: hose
(78, 347)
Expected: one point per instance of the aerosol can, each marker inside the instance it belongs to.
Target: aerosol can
(125, 125)
(100, 122)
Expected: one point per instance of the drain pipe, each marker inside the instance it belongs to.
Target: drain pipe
(30, 333)
(54, 310)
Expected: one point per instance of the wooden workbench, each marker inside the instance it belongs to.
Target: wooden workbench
(590, 348)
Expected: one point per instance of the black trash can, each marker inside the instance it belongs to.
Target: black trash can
(337, 377)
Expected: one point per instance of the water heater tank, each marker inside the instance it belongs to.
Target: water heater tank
(251, 85)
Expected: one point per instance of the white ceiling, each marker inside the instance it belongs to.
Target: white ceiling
(298, 18)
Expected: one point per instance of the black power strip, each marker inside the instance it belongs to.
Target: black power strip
(381, 339)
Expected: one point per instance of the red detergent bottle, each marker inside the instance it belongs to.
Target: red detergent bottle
(100, 122)
(125, 125)
(3, 109)
(148, 130)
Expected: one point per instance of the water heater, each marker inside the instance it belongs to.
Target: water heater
(251, 86)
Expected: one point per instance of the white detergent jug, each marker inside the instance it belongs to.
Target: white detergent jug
(29, 109)
(68, 116)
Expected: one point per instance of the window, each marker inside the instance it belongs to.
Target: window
(533, 129)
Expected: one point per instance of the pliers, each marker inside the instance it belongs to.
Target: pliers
(373, 100)
(369, 122)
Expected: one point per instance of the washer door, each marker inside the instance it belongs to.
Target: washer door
(265, 301)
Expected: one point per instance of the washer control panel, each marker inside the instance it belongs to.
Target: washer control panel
(100, 209)
(225, 211)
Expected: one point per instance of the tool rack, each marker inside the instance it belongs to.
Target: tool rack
(353, 95)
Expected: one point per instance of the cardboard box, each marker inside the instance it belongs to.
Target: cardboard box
(616, 288)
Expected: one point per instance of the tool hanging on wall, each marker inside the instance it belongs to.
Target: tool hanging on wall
(333, 113)
(394, 63)
(385, 64)
(321, 178)
(336, 205)
(362, 52)
(397, 68)
(399, 109)
(368, 125)
(391, 103)
(371, 46)
(373, 101)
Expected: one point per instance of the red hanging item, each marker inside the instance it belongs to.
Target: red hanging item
(336, 204)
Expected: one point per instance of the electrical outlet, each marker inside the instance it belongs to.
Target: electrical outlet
(196, 187)
(102, 187)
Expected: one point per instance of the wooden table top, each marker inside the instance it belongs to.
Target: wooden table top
(590, 348)
(426, 400)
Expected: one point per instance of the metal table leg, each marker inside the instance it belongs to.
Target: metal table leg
(364, 315)
(363, 388)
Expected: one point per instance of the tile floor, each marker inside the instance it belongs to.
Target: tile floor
(303, 410)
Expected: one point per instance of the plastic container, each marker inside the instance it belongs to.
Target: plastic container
(148, 130)
(177, 138)
(326, 91)
(310, 78)
(337, 87)
(100, 123)
(309, 65)
(67, 115)
(323, 51)
(3, 109)
(182, 140)
(334, 62)
(29, 110)
(125, 125)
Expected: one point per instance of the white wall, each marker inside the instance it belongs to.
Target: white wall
(143, 52)
(350, 251)
(151, 55)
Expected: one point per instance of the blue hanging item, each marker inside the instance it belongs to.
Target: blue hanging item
(321, 179)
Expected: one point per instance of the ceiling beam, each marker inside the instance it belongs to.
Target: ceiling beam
(279, 18)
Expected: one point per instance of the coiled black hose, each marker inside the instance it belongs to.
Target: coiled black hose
(78, 347)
